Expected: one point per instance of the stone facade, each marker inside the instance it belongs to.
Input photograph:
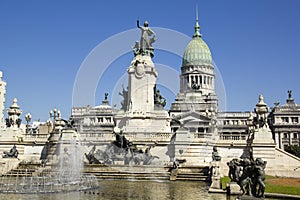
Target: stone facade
(285, 123)
(232, 126)
(94, 123)
(193, 125)
(190, 131)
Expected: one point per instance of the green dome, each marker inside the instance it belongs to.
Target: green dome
(196, 53)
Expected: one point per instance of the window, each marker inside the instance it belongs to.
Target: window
(285, 119)
(295, 135)
(295, 119)
(192, 130)
(200, 130)
(108, 119)
(285, 135)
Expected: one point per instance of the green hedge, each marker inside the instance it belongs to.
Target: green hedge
(293, 149)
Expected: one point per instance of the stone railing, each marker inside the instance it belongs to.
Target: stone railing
(232, 137)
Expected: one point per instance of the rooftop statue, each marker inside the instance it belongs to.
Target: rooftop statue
(289, 94)
(144, 46)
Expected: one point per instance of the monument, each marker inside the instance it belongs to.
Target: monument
(142, 118)
(260, 137)
(249, 175)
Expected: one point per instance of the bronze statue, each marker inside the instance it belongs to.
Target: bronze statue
(146, 42)
(251, 180)
(124, 94)
(258, 188)
(44, 154)
(7, 122)
(13, 153)
(245, 179)
(159, 100)
(195, 86)
(18, 122)
(234, 170)
(91, 156)
(289, 94)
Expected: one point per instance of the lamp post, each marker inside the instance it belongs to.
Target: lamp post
(55, 114)
(28, 119)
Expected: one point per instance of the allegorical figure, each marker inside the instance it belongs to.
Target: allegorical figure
(215, 155)
(146, 42)
(258, 178)
(13, 153)
(124, 94)
(158, 98)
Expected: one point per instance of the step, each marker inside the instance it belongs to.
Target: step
(191, 178)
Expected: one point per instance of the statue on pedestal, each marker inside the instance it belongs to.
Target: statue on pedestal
(159, 100)
(249, 174)
(215, 155)
(146, 42)
(124, 94)
(144, 46)
(13, 153)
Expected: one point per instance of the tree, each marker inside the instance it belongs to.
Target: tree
(293, 149)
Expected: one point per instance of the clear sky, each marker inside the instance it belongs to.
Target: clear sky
(254, 43)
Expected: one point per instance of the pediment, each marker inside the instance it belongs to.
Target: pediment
(192, 117)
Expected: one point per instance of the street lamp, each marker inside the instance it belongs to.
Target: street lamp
(54, 114)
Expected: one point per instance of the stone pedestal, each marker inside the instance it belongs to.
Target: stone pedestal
(141, 115)
(157, 121)
(215, 175)
(263, 144)
(173, 175)
(196, 151)
(233, 188)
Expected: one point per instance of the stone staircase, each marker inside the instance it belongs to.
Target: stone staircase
(23, 170)
(136, 172)
(184, 173)
(192, 173)
(128, 172)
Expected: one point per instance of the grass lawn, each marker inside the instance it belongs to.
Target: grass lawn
(275, 185)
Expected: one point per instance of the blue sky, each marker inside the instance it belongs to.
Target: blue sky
(255, 45)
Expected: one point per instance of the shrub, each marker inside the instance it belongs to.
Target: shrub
(293, 149)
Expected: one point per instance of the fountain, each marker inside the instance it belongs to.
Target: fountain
(64, 153)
